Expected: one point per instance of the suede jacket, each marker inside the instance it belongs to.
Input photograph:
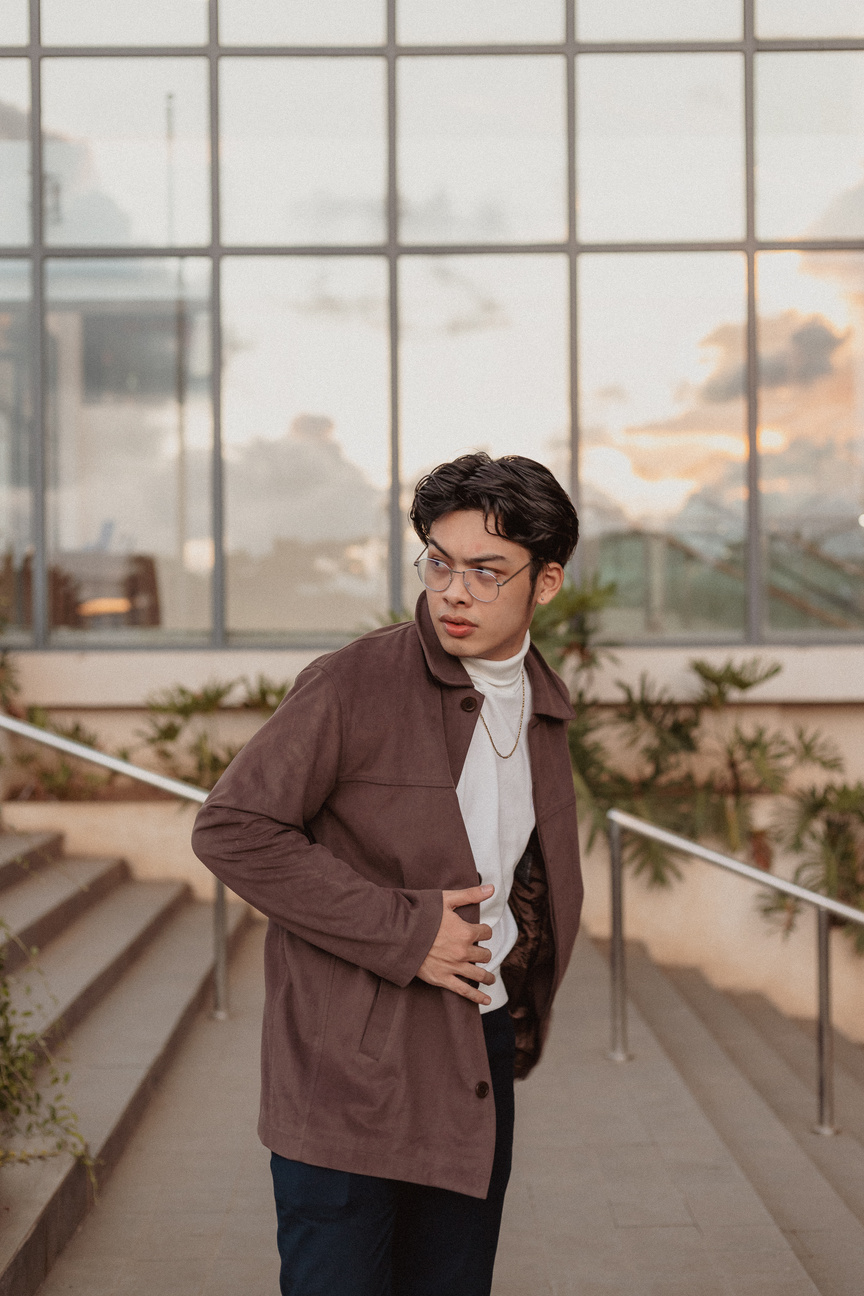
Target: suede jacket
(340, 821)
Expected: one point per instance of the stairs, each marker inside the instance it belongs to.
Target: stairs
(752, 1072)
(123, 968)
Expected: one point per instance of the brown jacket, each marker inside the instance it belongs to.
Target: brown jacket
(340, 821)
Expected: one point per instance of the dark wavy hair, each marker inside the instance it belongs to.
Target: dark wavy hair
(519, 499)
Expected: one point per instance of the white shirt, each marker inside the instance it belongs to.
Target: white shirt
(495, 797)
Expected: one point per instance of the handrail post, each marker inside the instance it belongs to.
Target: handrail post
(824, 1029)
(220, 953)
(618, 1051)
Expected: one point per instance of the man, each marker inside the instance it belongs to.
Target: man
(406, 820)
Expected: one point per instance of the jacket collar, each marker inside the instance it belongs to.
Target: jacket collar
(547, 691)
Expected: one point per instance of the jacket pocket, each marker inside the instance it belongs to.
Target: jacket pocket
(380, 1019)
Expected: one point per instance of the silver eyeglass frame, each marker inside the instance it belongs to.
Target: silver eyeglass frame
(467, 572)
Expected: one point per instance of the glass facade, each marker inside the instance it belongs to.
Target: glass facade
(262, 265)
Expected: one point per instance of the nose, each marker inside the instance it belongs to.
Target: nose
(457, 591)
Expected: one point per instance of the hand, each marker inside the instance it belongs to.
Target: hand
(455, 952)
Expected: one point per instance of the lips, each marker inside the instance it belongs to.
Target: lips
(457, 627)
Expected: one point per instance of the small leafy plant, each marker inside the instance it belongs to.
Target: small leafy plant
(178, 733)
(825, 825)
(35, 1119)
(686, 765)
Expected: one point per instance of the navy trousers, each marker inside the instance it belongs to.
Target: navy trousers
(343, 1234)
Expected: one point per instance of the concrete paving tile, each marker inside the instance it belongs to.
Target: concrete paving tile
(165, 1277)
(180, 1235)
(236, 1277)
(604, 1156)
(91, 1274)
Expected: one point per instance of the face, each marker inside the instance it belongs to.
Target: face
(466, 626)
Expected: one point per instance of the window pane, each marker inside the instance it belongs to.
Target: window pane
(16, 414)
(482, 149)
(661, 147)
(291, 22)
(809, 18)
(810, 145)
(663, 440)
(14, 152)
(483, 364)
(129, 434)
(107, 22)
(632, 20)
(811, 345)
(304, 155)
(126, 151)
(14, 22)
(306, 433)
(467, 22)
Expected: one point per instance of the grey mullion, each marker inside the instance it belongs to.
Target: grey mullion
(122, 252)
(38, 477)
(718, 245)
(303, 51)
(659, 47)
(762, 45)
(572, 262)
(813, 45)
(217, 506)
(394, 551)
(123, 51)
(754, 579)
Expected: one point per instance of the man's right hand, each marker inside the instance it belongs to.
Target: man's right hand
(455, 952)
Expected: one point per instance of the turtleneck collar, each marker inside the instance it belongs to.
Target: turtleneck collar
(498, 674)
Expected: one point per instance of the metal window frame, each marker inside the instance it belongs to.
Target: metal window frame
(393, 250)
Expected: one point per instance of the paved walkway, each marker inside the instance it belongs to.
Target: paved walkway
(620, 1185)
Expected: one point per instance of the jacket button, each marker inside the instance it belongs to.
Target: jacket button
(481, 1089)
(468, 704)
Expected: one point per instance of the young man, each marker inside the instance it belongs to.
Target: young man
(406, 820)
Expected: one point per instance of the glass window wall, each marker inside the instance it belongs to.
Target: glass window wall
(661, 20)
(482, 153)
(16, 419)
(811, 441)
(125, 151)
(14, 152)
(661, 147)
(304, 152)
(14, 22)
(129, 450)
(307, 467)
(280, 259)
(289, 22)
(664, 440)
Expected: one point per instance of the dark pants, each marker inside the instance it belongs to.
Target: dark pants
(343, 1234)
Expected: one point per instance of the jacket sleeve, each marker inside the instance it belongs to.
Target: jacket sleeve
(250, 833)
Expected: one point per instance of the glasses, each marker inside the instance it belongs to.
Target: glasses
(480, 583)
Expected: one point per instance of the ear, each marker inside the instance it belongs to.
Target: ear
(549, 582)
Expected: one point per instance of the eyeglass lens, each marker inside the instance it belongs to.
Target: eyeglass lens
(437, 576)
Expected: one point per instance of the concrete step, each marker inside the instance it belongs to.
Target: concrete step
(115, 1056)
(80, 966)
(825, 1234)
(37, 909)
(22, 854)
(784, 1088)
(794, 1039)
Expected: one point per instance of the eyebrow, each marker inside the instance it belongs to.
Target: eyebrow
(482, 558)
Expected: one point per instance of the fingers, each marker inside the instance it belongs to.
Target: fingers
(467, 991)
(473, 895)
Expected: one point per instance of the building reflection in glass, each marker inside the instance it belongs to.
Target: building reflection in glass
(129, 448)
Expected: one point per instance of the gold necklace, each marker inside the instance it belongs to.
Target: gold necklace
(507, 755)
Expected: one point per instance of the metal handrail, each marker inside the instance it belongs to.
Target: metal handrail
(186, 791)
(824, 906)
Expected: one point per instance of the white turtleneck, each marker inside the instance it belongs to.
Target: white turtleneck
(495, 797)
